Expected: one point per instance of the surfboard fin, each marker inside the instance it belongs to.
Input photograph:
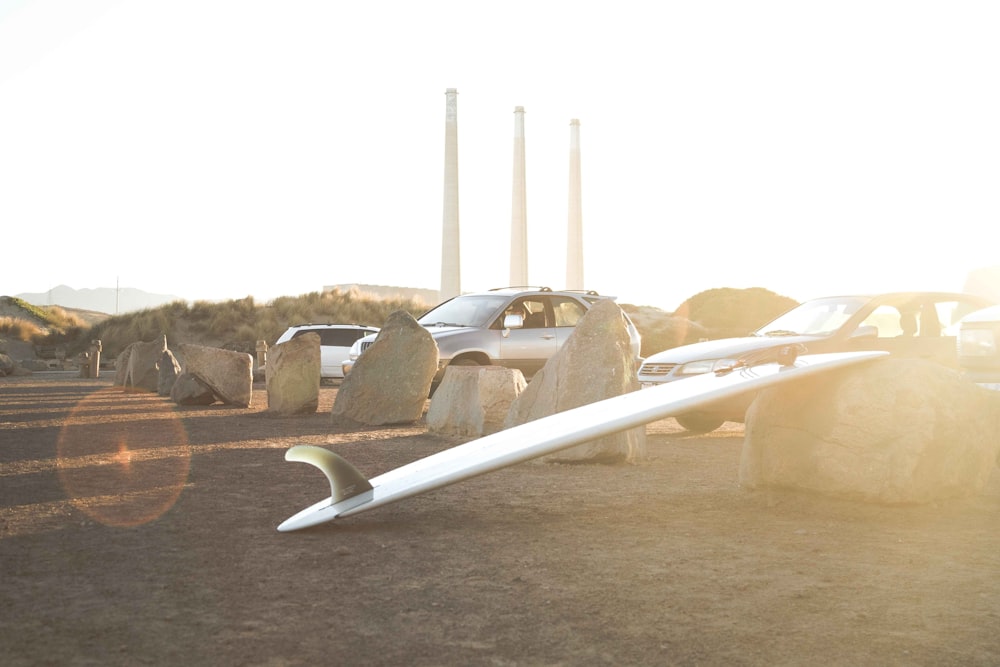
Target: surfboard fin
(345, 480)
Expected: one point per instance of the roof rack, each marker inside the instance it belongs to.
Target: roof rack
(534, 287)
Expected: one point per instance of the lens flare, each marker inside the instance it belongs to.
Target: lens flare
(128, 471)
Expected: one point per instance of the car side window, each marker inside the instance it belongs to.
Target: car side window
(534, 313)
(568, 312)
(887, 320)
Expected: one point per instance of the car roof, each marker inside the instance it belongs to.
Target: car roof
(903, 295)
(528, 289)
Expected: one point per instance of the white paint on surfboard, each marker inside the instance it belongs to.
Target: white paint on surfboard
(541, 437)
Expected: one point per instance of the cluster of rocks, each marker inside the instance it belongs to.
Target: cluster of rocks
(889, 431)
(196, 375)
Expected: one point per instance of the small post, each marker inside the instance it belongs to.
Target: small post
(95, 358)
(261, 353)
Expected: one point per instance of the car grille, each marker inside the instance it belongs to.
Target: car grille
(366, 345)
(657, 370)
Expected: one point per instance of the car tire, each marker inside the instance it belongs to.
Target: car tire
(699, 422)
(463, 361)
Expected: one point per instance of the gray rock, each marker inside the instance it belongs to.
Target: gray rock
(892, 431)
(228, 374)
(390, 382)
(473, 400)
(293, 375)
(594, 364)
(189, 390)
(137, 365)
(167, 373)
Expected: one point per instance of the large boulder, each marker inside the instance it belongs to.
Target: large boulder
(137, 367)
(6, 365)
(189, 390)
(292, 376)
(390, 382)
(892, 431)
(474, 400)
(169, 369)
(594, 364)
(228, 374)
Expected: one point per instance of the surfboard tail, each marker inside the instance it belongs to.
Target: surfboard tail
(346, 481)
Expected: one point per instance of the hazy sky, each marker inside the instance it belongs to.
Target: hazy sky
(216, 149)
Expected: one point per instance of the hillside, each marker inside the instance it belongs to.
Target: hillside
(107, 300)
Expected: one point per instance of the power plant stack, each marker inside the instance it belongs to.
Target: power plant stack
(574, 231)
(519, 208)
(451, 278)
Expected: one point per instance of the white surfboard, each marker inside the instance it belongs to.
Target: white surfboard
(351, 493)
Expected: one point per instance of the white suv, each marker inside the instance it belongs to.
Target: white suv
(515, 327)
(335, 341)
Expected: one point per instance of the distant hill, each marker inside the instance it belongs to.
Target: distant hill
(102, 299)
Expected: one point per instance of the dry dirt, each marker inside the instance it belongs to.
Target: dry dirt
(135, 532)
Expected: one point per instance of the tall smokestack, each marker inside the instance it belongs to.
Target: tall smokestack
(519, 208)
(451, 278)
(574, 233)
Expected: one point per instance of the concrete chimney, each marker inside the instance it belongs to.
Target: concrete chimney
(574, 232)
(519, 208)
(451, 278)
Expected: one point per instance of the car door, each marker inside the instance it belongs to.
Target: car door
(528, 348)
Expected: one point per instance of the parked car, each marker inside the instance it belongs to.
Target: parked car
(909, 324)
(979, 347)
(514, 327)
(335, 341)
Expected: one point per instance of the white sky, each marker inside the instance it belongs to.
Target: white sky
(225, 148)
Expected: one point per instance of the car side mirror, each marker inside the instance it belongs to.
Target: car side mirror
(867, 331)
(513, 321)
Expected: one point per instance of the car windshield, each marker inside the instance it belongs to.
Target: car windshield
(821, 317)
(465, 311)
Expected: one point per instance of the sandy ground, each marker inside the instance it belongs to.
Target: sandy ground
(135, 532)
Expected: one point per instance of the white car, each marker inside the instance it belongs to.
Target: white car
(979, 347)
(335, 341)
(906, 324)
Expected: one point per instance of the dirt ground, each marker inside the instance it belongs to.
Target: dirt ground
(136, 532)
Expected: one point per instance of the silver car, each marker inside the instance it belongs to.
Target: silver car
(513, 327)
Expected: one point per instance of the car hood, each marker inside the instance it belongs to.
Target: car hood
(447, 331)
(724, 348)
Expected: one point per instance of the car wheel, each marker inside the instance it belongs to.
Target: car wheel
(464, 361)
(699, 422)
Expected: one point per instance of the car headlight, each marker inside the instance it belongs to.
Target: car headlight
(355, 350)
(704, 366)
(976, 343)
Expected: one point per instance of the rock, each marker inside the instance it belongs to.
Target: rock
(167, 372)
(892, 431)
(390, 382)
(473, 400)
(189, 390)
(228, 374)
(293, 375)
(594, 364)
(6, 365)
(137, 366)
